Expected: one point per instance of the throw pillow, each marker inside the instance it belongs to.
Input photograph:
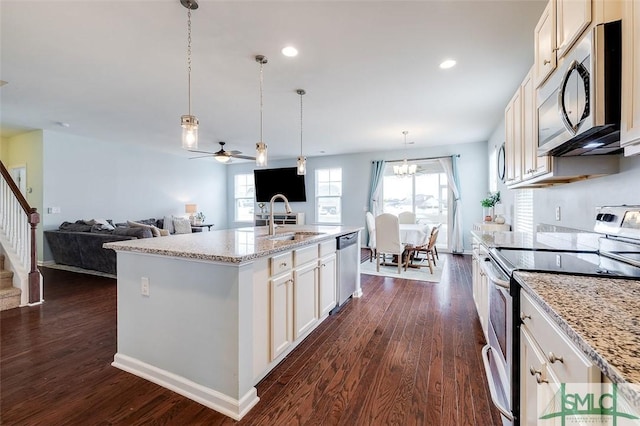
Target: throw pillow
(182, 226)
(164, 233)
(168, 224)
(103, 224)
(154, 231)
(133, 232)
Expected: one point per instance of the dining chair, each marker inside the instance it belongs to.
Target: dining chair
(406, 217)
(371, 228)
(429, 249)
(388, 239)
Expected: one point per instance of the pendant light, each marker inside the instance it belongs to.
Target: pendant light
(302, 161)
(261, 147)
(189, 122)
(405, 169)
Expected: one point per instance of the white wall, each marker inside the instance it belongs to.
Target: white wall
(88, 179)
(356, 175)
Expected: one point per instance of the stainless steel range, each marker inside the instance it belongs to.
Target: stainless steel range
(615, 254)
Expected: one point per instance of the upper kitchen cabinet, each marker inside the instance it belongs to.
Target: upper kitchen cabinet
(630, 120)
(532, 165)
(513, 139)
(545, 44)
(572, 18)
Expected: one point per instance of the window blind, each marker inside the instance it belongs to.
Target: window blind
(523, 221)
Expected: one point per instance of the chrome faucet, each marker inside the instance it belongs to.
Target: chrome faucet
(272, 225)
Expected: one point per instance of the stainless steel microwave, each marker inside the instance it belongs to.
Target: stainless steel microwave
(578, 109)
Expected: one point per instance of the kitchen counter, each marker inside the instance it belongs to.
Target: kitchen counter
(585, 241)
(209, 314)
(600, 316)
(231, 245)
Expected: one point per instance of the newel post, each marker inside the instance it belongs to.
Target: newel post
(34, 275)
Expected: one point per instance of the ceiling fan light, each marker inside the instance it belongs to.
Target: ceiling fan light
(222, 158)
(261, 154)
(302, 165)
(189, 132)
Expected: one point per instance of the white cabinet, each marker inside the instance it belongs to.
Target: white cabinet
(327, 284)
(630, 121)
(305, 283)
(572, 18)
(513, 139)
(545, 44)
(480, 286)
(547, 358)
(262, 219)
(532, 165)
(281, 313)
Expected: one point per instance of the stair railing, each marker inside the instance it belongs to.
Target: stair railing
(18, 222)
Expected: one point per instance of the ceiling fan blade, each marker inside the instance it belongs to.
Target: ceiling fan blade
(200, 156)
(235, 152)
(202, 152)
(244, 157)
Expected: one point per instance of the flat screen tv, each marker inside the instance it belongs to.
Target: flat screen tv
(284, 181)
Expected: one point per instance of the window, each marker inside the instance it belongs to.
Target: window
(426, 194)
(244, 197)
(524, 211)
(329, 195)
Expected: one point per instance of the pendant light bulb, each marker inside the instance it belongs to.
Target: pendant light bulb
(189, 122)
(261, 147)
(302, 165)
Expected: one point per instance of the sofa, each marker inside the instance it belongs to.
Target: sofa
(79, 244)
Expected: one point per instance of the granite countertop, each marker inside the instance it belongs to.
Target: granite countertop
(231, 245)
(587, 241)
(601, 316)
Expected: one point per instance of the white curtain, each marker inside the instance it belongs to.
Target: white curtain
(375, 189)
(450, 167)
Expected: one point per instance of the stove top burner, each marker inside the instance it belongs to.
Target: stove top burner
(568, 262)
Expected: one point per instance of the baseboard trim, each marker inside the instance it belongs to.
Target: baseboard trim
(231, 407)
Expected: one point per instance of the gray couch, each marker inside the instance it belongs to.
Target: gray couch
(79, 244)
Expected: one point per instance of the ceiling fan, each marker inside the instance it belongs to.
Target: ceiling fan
(222, 155)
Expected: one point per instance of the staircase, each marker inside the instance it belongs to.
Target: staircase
(9, 295)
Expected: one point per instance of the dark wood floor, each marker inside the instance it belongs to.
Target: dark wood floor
(406, 353)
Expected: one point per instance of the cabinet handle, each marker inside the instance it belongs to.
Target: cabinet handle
(538, 375)
(553, 358)
(555, 49)
(283, 264)
(546, 62)
(323, 265)
(524, 316)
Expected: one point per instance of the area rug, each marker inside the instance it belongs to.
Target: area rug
(418, 274)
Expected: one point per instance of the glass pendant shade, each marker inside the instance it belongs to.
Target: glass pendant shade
(261, 154)
(302, 165)
(189, 132)
(222, 158)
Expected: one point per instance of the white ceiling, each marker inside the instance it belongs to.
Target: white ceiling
(116, 70)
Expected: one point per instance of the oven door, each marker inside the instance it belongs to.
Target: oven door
(496, 355)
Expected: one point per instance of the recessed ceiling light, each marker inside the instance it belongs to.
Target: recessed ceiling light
(62, 124)
(290, 51)
(449, 63)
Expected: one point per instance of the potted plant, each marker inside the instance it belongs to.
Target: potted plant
(199, 218)
(488, 204)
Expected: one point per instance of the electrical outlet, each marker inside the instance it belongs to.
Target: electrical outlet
(53, 210)
(144, 286)
(558, 261)
(558, 213)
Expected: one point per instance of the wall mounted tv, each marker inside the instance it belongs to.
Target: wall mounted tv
(284, 181)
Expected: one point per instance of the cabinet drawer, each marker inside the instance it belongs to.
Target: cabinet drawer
(574, 366)
(327, 247)
(305, 255)
(281, 263)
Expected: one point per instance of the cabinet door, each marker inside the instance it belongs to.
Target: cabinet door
(513, 139)
(327, 287)
(305, 304)
(281, 314)
(532, 165)
(545, 44)
(630, 128)
(537, 386)
(572, 18)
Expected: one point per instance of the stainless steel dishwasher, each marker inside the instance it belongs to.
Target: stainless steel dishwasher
(348, 258)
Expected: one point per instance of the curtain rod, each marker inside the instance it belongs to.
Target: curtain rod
(424, 158)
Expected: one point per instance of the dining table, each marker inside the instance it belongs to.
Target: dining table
(416, 234)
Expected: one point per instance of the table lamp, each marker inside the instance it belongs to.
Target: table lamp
(191, 209)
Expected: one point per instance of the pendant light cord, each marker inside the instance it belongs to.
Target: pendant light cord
(261, 81)
(301, 93)
(189, 54)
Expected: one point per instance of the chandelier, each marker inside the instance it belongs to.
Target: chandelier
(405, 169)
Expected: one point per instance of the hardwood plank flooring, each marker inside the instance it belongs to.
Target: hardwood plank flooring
(406, 353)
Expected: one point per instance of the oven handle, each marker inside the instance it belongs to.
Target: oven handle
(492, 388)
(493, 277)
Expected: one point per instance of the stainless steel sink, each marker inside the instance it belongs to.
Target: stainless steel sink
(293, 236)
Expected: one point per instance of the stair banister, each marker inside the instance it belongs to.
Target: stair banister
(19, 221)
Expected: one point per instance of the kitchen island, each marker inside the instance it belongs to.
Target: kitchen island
(208, 315)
